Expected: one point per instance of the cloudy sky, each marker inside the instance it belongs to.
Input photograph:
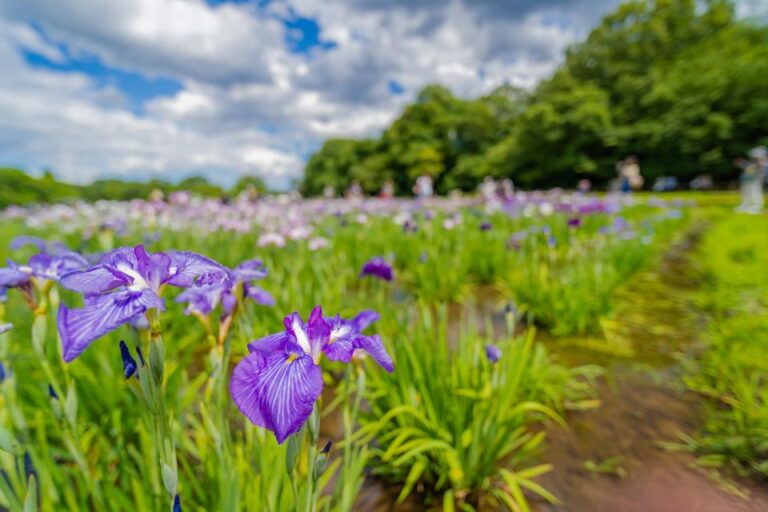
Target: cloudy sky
(173, 88)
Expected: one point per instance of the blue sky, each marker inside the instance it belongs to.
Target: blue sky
(221, 88)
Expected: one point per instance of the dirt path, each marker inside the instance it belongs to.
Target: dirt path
(643, 404)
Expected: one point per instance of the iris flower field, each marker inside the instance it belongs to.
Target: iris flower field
(548, 351)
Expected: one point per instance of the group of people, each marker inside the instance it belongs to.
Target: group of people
(754, 173)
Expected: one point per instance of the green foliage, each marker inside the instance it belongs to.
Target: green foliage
(732, 371)
(681, 84)
(247, 183)
(450, 418)
(19, 188)
(484, 418)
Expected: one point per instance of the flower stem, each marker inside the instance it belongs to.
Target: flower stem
(151, 377)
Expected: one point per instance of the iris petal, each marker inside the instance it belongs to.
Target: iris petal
(78, 328)
(344, 348)
(375, 348)
(259, 295)
(364, 319)
(188, 268)
(10, 277)
(277, 390)
(95, 280)
(270, 343)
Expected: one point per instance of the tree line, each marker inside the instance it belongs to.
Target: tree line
(681, 84)
(18, 187)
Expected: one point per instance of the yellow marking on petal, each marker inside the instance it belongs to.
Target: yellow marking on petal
(291, 358)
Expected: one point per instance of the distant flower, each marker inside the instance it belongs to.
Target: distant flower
(317, 243)
(41, 267)
(493, 353)
(125, 283)
(486, 226)
(2, 373)
(5, 328)
(410, 226)
(574, 222)
(271, 239)
(377, 267)
(204, 299)
(299, 233)
(278, 383)
(546, 209)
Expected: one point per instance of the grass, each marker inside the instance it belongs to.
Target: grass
(466, 433)
(733, 368)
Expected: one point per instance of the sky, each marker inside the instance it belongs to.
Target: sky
(138, 89)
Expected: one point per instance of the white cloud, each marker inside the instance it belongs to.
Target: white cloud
(248, 105)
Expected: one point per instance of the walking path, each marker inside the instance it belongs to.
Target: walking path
(643, 405)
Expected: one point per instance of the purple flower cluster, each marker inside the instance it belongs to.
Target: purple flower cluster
(278, 383)
(202, 300)
(125, 284)
(42, 267)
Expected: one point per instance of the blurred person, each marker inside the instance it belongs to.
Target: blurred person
(507, 188)
(355, 191)
(156, 195)
(488, 189)
(423, 188)
(329, 192)
(584, 185)
(751, 180)
(701, 182)
(631, 170)
(623, 182)
(388, 189)
(665, 184)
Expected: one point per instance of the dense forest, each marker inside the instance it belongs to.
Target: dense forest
(681, 84)
(18, 187)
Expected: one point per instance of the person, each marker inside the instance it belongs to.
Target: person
(355, 191)
(584, 185)
(631, 171)
(507, 189)
(329, 192)
(751, 180)
(623, 181)
(423, 187)
(388, 190)
(488, 189)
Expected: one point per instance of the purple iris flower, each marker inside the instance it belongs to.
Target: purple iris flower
(574, 222)
(377, 267)
(125, 283)
(204, 299)
(485, 226)
(278, 383)
(493, 353)
(41, 267)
